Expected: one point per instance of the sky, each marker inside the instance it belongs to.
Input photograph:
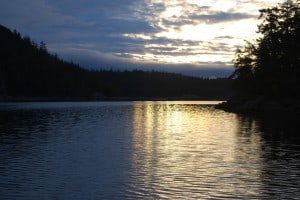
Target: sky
(193, 37)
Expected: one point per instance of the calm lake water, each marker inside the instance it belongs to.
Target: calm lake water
(145, 150)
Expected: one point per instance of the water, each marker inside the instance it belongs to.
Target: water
(145, 150)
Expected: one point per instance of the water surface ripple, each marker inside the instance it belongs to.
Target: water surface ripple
(144, 150)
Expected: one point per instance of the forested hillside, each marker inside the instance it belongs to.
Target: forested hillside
(28, 70)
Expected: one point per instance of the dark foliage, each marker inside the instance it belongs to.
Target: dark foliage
(271, 66)
(160, 84)
(28, 70)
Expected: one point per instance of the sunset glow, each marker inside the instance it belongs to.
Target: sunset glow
(200, 31)
(139, 33)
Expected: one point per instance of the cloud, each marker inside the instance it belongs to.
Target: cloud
(134, 33)
(98, 60)
(194, 15)
(220, 17)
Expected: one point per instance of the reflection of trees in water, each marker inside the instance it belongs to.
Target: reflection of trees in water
(23, 121)
(35, 124)
(20, 132)
(28, 132)
(273, 127)
(280, 153)
(20, 124)
(277, 132)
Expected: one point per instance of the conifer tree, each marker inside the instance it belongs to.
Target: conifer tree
(271, 66)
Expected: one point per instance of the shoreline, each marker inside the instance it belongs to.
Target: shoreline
(66, 99)
(261, 106)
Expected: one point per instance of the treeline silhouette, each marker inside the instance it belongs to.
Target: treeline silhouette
(267, 74)
(27, 69)
(271, 66)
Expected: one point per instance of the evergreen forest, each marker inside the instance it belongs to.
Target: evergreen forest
(29, 72)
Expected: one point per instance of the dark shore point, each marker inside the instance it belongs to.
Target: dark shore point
(261, 106)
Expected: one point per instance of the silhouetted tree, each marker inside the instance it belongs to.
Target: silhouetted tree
(270, 66)
(244, 73)
(43, 47)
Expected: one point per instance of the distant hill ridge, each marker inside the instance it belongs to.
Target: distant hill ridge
(29, 71)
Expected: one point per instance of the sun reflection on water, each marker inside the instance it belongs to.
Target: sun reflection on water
(145, 150)
(192, 149)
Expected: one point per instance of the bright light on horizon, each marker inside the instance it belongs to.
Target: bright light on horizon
(169, 34)
(213, 29)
